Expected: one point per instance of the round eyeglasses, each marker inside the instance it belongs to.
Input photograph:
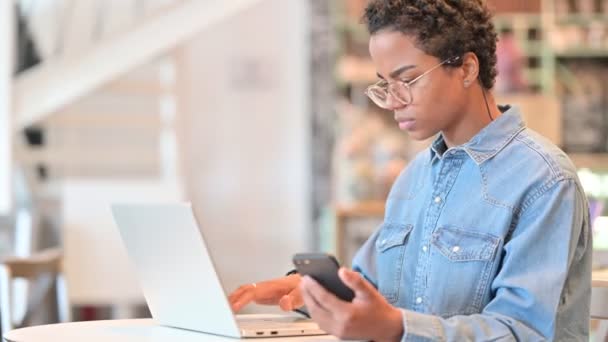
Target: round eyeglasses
(400, 90)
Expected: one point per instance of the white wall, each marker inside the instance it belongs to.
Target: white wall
(247, 133)
(97, 268)
(6, 69)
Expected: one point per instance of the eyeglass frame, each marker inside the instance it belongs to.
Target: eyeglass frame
(407, 84)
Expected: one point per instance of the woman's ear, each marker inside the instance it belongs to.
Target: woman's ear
(470, 68)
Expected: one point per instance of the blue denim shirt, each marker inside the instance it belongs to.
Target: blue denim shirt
(489, 240)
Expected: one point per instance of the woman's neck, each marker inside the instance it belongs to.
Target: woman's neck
(475, 117)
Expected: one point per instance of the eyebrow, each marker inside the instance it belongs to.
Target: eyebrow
(397, 72)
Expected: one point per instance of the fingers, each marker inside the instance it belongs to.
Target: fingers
(283, 291)
(292, 300)
(316, 310)
(242, 296)
(323, 297)
(243, 289)
(354, 280)
(242, 301)
(237, 293)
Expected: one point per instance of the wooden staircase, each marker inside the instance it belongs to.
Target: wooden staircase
(108, 110)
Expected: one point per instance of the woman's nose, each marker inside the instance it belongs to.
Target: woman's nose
(392, 103)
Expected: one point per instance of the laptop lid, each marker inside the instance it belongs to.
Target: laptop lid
(174, 267)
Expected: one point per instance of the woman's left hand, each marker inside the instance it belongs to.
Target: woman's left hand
(368, 316)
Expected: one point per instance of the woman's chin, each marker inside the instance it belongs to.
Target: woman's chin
(418, 134)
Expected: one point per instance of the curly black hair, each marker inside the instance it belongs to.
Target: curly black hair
(441, 28)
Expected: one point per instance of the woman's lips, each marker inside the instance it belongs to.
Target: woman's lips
(406, 124)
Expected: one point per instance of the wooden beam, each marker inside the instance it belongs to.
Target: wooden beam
(7, 56)
(56, 83)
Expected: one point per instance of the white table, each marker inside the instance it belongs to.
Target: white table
(131, 330)
(146, 330)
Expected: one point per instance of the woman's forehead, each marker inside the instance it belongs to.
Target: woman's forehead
(391, 50)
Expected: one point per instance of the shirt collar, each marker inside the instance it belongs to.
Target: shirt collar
(490, 140)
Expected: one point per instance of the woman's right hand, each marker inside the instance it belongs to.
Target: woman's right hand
(284, 292)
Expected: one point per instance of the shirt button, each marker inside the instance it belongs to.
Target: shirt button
(437, 199)
(418, 300)
(455, 249)
(424, 248)
(383, 242)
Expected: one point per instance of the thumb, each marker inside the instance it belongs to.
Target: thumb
(356, 282)
(292, 300)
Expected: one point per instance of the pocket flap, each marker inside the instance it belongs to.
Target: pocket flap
(391, 235)
(462, 245)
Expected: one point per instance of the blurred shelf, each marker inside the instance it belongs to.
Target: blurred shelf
(359, 209)
(593, 161)
(600, 278)
(358, 30)
(582, 53)
(347, 211)
(533, 75)
(533, 48)
(517, 20)
(581, 19)
(359, 70)
(529, 7)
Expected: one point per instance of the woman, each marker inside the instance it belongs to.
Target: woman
(486, 233)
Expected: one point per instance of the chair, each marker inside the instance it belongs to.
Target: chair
(44, 265)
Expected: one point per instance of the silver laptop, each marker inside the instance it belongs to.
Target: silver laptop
(178, 278)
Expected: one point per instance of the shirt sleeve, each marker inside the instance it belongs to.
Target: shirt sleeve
(549, 237)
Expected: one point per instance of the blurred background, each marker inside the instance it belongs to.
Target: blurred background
(254, 111)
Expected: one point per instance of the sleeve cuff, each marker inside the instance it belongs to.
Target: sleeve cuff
(420, 327)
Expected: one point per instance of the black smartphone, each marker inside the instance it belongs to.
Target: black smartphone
(323, 268)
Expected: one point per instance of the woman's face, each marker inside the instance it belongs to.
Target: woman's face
(438, 98)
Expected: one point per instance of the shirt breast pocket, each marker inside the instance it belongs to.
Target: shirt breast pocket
(390, 247)
(461, 266)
